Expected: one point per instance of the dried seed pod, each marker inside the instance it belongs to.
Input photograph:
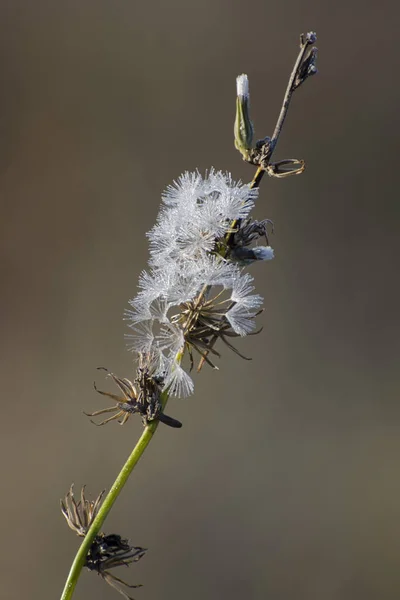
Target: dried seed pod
(106, 551)
(142, 397)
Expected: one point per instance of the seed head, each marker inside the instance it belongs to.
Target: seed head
(188, 298)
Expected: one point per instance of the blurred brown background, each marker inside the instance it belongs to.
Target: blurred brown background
(284, 482)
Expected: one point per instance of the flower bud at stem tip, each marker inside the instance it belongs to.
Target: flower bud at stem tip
(243, 129)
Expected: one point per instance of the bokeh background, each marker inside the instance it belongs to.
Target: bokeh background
(284, 482)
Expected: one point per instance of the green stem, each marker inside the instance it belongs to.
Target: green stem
(108, 503)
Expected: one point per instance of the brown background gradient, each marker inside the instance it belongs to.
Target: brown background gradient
(284, 483)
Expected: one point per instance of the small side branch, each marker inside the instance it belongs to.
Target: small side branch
(303, 68)
(260, 156)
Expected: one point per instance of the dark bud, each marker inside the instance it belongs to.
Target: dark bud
(243, 256)
(307, 68)
(311, 37)
(169, 421)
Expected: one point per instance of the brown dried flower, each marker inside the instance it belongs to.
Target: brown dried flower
(106, 551)
(80, 515)
(142, 397)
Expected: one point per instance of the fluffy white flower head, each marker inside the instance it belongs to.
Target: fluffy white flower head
(192, 295)
(195, 213)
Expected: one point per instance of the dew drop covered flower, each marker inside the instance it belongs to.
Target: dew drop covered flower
(195, 291)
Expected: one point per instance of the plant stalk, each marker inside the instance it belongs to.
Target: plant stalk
(107, 505)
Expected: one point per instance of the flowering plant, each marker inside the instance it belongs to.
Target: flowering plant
(195, 293)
